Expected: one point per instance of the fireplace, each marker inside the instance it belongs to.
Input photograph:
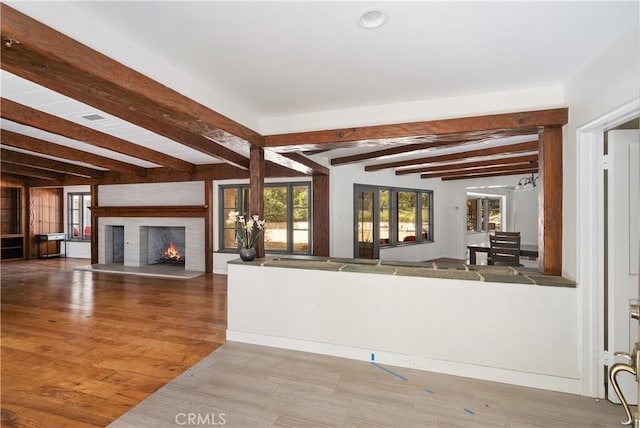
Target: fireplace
(166, 245)
(146, 239)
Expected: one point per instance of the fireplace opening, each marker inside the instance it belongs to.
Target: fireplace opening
(166, 245)
(172, 255)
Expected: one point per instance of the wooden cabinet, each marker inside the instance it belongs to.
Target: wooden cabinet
(12, 240)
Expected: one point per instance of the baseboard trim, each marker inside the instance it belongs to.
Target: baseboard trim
(512, 377)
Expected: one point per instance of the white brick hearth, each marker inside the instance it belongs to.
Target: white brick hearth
(135, 239)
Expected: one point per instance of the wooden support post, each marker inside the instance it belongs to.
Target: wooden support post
(208, 226)
(256, 190)
(26, 223)
(94, 225)
(321, 222)
(550, 200)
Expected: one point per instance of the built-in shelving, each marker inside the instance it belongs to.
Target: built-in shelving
(11, 223)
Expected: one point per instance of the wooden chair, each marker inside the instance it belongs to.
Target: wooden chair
(504, 249)
(506, 234)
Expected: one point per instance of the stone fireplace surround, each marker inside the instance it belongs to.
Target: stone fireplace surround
(135, 239)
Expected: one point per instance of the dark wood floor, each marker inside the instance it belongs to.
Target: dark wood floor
(81, 348)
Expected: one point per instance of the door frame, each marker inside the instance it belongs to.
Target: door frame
(589, 245)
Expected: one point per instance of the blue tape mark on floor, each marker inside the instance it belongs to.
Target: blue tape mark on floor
(471, 412)
(429, 391)
(390, 372)
(373, 356)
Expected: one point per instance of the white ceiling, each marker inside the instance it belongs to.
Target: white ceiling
(281, 58)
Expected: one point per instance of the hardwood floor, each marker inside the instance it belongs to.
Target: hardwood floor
(81, 348)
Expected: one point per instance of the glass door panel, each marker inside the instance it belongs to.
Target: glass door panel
(365, 248)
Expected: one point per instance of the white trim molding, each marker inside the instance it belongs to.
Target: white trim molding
(590, 240)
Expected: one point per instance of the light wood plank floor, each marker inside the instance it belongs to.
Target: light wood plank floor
(81, 348)
(246, 385)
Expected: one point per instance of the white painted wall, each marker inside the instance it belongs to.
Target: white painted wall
(467, 328)
(151, 194)
(603, 86)
(342, 180)
(522, 211)
(441, 108)
(453, 202)
(608, 82)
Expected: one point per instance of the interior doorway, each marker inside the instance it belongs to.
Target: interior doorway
(622, 243)
(590, 244)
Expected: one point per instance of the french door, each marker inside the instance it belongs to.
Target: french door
(366, 240)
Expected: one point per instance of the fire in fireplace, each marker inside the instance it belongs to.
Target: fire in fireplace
(166, 245)
(172, 255)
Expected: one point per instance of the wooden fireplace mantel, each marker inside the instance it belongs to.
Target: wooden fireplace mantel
(151, 211)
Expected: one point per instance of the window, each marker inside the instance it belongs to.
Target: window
(385, 209)
(230, 202)
(286, 211)
(472, 214)
(406, 216)
(484, 213)
(79, 216)
(386, 217)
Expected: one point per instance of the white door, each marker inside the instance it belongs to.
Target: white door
(623, 248)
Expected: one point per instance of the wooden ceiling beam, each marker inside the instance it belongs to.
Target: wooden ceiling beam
(20, 158)
(29, 116)
(527, 122)
(219, 171)
(481, 170)
(495, 174)
(13, 139)
(314, 167)
(510, 148)
(28, 171)
(463, 165)
(409, 148)
(53, 60)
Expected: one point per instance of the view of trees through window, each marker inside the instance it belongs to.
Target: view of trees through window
(406, 216)
(484, 213)
(385, 210)
(387, 217)
(286, 213)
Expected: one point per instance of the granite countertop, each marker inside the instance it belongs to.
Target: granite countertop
(430, 269)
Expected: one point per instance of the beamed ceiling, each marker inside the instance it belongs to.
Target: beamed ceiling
(71, 115)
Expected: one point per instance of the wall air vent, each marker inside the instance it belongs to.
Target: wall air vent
(93, 117)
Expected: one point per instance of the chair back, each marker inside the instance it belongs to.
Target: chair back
(506, 234)
(504, 249)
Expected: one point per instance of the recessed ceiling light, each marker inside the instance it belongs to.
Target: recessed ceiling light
(372, 17)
